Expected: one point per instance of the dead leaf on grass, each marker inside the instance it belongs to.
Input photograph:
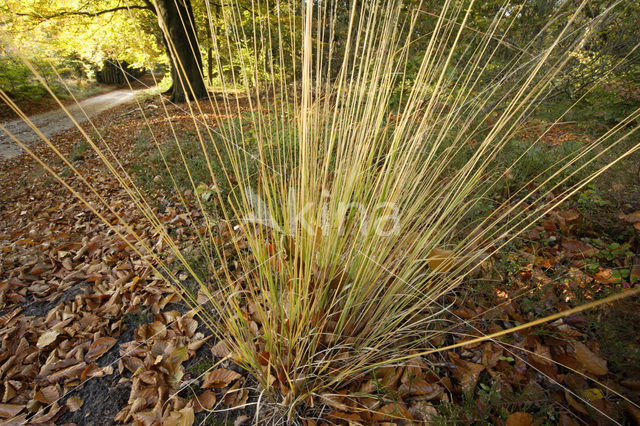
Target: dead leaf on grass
(241, 420)
(220, 378)
(441, 260)
(575, 404)
(591, 362)
(421, 389)
(335, 401)
(631, 217)
(235, 396)
(68, 372)
(348, 417)
(520, 419)
(466, 372)
(392, 411)
(423, 411)
(578, 249)
(204, 401)
(633, 410)
(4, 319)
(542, 355)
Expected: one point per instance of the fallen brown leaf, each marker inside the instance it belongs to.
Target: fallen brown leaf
(631, 217)
(575, 404)
(422, 389)
(542, 354)
(578, 249)
(221, 349)
(633, 410)
(392, 411)
(74, 403)
(349, 417)
(466, 372)
(47, 395)
(335, 401)
(241, 420)
(519, 419)
(423, 411)
(204, 401)
(441, 260)
(591, 362)
(220, 378)
(10, 410)
(47, 338)
(68, 372)
(183, 417)
(99, 347)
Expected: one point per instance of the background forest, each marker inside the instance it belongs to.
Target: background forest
(75, 39)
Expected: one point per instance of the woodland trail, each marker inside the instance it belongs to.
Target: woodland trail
(55, 122)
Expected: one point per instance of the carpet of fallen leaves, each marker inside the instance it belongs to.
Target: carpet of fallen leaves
(90, 335)
(70, 290)
(554, 135)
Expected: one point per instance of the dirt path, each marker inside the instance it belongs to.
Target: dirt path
(53, 123)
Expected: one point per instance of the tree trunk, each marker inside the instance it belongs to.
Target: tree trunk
(176, 21)
(210, 62)
(209, 55)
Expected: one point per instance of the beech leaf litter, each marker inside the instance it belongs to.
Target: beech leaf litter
(79, 306)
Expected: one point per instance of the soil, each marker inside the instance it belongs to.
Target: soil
(41, 308)
(102, 397)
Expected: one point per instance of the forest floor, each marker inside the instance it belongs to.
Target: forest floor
(91, 335)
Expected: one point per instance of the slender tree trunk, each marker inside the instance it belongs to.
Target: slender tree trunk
(176, 21)
(210, 69)
(209, 55)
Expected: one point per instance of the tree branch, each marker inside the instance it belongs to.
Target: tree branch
(86, 13)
